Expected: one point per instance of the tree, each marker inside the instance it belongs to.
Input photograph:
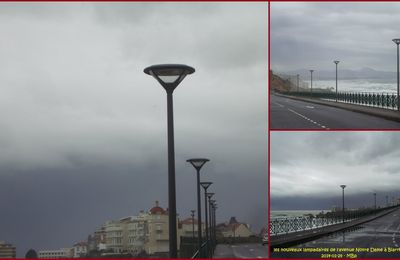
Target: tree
(31, 254)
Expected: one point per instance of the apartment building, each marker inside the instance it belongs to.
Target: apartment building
(7, 250)
(148, 231)
(58, 253)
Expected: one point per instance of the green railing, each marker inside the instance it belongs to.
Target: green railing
(281, 226)
(206, 251)
(382, 100)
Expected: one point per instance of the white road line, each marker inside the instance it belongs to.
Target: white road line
(276, 103)
(394, 236)
(312, 121)
(309, 107)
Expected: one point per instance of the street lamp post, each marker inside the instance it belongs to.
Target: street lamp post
(311, 71)
(298, 82)
(397, 42)
(197, 164)
(192, 215)
(209, 195)
(343, 186)
(205, 186)
(336, 62)
(375, 200)
(215, 221)
(169, 76)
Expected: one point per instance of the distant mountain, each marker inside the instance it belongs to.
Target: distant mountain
(364, 73)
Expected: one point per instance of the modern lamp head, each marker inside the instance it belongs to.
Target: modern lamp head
(343, 186)
(336, 61)
(197, 162)
(169, 75)
(210, 194)
(397, 41)
(205, 184)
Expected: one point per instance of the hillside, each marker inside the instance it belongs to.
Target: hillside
(279, 84)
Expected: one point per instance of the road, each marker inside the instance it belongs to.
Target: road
(241, 251)
(286, 113)
(372, 238)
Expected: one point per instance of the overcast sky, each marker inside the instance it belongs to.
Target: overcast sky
(83, 129)
(313, 35)
(307, 168)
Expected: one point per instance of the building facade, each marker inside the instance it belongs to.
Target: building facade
(147, 232)
(79, 249)
(58, 253)
(235, 229)
(7, 250)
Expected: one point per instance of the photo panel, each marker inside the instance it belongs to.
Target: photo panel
(334, 194)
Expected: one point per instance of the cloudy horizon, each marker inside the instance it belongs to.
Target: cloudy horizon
(313, 35)
(307, 168)
(83, 135)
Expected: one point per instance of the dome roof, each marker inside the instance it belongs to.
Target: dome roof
(157, 209)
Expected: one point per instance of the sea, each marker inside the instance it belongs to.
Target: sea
(358, 85)
(294, 213)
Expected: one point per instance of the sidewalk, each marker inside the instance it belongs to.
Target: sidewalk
(389, 114)
(290, 239)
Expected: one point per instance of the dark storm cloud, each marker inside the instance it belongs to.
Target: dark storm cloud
(312, 35)
(313, 165)
(83, 135)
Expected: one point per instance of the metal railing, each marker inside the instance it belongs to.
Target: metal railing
(206, 250)
(372, 99)
(280, 226)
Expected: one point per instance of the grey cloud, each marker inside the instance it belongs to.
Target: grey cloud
(315, 164)
(84, 129)
(314, 34)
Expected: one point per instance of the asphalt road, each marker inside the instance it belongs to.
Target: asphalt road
(241, 251)
(369, 240)
(286, 113)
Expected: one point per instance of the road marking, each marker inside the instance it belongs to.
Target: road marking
(308, 119)
(276, 103)
(251, 249)
(394, 236)
(309, 107)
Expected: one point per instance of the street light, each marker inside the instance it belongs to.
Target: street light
(192, 215)
(397, 42)
(193, 241)
(169, 76)
(343, 186)
(209, 195)
(197, 164)
(336, 62)
(205, 186)
(311, 71)
(298, 83)
(214, 221)
(375, 199)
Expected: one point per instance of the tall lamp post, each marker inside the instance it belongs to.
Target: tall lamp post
(192, 215)
(343, 186)
(169, 76)
(215, 221)
(375, 200)
(209, 196)
(397, 42)
(298, 82)
(311, 71)
(336, 62)
(197, 164)
(205, 186)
